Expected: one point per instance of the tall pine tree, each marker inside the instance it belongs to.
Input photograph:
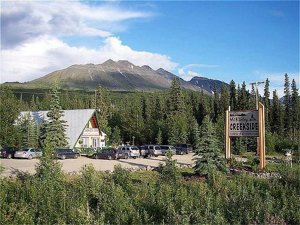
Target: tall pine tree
(267, 103)
(287, 105)
(208, 150)
(55, 136)
(233, 95)
(295, 108)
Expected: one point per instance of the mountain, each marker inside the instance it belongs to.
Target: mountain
(207, 84)
(114, 75)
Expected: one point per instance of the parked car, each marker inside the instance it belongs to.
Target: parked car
(107, 153)
(183, 148)
(64, 153)
(144, 151)
(8, 152)
(28, 153)
(153, 150)
(166, 148)
(129, 151)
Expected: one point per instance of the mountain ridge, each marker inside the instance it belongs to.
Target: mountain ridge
(119, 75)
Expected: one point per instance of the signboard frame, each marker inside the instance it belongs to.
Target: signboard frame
(260, 139)
(244, 123)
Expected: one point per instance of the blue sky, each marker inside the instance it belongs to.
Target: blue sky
(225, 40)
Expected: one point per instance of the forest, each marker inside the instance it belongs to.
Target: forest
(166, 117)
(209, 193)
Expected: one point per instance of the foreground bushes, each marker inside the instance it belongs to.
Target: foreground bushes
(148, 197)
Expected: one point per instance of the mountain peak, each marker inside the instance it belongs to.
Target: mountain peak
(109, 62)
(146, 67)
(124, 62)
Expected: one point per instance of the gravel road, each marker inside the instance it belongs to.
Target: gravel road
(13, 166)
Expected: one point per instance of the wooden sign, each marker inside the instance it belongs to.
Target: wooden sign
(243, 124)
(249, 124)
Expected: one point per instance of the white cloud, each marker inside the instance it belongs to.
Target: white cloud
(46, 54)
(114, 49)
(31, 33)
(188, 75)
(23, 20)
(200, 66)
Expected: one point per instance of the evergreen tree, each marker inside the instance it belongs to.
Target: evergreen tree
(277, 115)
(243, 97)
(115, 138)
(267, 103)
(176, 118)
(176, 99)
(295, 109)
(9, 112)
(194, 136)
(103, 104)
(233, 95)
(216, 104)
(287, 104)
(55, 136)
(159, 137)
(224, 99)
(29, 131)
(252, 98)
(177, 129)
(208, 150)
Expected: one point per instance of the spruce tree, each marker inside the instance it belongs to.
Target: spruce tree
(115, 138)
(224, 99)
(29, 131)
(103, 104)
(216, 104)
(159, 137)
(287, 104)
(295, 109)
(176, 118)
(243, 102)
(56, 129)
(277, 115)
(267, 103)
(208, 150)
(233, 95)
(176, 99)
(9, 112)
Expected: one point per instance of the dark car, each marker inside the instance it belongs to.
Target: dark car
(183, 148)
(64, 153)
(107, 153)
(166, 148)
(8, 152)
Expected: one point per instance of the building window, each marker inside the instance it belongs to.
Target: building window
(95, 142)
(85, 142)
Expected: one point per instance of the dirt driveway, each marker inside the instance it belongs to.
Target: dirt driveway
(13, 166)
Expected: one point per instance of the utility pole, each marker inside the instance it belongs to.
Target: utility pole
(256, 83)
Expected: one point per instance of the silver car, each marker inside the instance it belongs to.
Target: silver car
(28, 153)
(130, 151)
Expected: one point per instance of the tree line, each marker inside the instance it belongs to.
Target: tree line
(166, 117)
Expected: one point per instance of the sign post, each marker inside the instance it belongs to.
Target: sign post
(261, 143)
(227, 138)
(249, 123)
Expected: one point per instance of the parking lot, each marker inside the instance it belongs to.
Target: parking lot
(13, 166)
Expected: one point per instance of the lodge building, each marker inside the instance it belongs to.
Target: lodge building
(82, 130)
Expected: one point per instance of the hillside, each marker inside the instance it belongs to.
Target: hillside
(207, 84)
(118, 76)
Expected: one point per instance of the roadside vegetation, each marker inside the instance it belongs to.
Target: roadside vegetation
(169, 196)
